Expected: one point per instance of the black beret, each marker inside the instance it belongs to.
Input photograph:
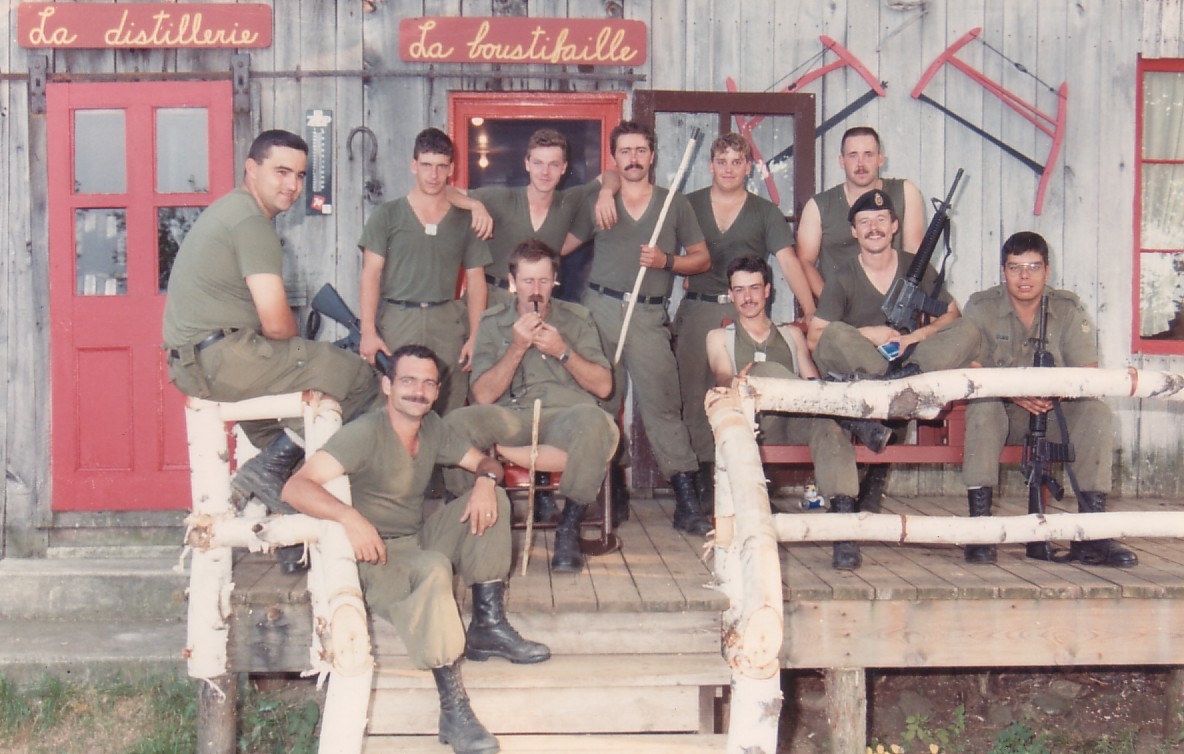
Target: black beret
(871, 201)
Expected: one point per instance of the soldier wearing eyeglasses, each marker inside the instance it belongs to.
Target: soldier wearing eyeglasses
(1008, 319)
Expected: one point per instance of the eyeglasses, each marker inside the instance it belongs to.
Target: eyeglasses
(1017, 268)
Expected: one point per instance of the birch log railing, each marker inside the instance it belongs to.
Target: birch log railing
(747, 562)
(341, 639)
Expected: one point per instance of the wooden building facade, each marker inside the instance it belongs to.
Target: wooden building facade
(1042, 104)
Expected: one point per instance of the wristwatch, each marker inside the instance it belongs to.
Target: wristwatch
(563, 357)
(669, 262)
(489, 475)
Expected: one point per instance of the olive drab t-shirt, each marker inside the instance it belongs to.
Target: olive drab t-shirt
(850, 297)
(759, 230)
(539, 376)
(386, 484)
(207, 286)
(510, 210)
(616, 256)
(838, 245)
(422, 261)
(1007, 343)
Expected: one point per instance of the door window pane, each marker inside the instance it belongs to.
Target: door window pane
(1161, 296)
(172, 225)
(1163, 115)
(100, 252)
(100, 152)
(497, 150)
(182, 156)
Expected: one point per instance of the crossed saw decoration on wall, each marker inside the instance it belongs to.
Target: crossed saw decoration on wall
(1051, 124)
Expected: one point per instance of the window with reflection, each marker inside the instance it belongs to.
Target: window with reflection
(497, 148)
(172, 225)
(182, 151)
(100, 252)
(100, 154)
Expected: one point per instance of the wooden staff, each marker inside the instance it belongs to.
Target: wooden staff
(682, 170)
(534, 457)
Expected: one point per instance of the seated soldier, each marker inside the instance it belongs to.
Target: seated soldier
(1007, 316)
(405, 561)
(766, 350)
(545, 348)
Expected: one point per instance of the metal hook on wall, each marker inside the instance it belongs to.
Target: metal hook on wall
(371, 188)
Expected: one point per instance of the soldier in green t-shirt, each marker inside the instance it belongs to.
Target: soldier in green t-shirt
(229, 329)
(406, 562)
(1007, 317)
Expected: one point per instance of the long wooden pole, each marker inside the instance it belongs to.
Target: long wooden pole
(534, 461)
(682, 171)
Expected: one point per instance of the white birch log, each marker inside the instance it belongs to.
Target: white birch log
(925, 395)
(889, 527)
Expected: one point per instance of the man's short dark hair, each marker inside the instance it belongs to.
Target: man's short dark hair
(532, 250)
(432, 141)
(626, 127)
(547, 137)
(261, 146)
(858, 131)
(750, 263)
(415, 352)
(1022, 243)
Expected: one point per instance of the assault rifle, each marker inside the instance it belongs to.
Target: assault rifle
(906, 301)
(329, 303)
(1039, 454)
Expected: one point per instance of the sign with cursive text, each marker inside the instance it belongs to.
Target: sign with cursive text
(520, 39)
(143, 25)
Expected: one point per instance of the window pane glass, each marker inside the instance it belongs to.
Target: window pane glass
(1161, 296)
(172, 225)
(100, 152)
(497, 148)
(1163, 115)
(674, 131)
(182, 159)
(1163, 207)
(772, 142)
(100, 237)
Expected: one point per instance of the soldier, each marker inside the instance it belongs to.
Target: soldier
(1007, 316)
(229, 329)
(823, 241)
(754, 345)
(549, 349)
(405, 561)
(735, 223)
(619, 252)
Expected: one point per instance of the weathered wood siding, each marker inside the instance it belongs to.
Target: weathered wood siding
(694, 44)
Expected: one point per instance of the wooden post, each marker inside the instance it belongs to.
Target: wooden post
(1173, 714)
(217, 700)
(846, 709)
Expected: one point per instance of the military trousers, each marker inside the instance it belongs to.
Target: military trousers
(442, 328)
(843, 349)
(414, 588)
(691, 325)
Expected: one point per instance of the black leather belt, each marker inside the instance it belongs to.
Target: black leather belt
(505, 284)
(205, 342)
(625, 296)
(415, 304)
(720, 299)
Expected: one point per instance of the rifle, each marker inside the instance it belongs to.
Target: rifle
(329, 303)
(1039, 454)
(906, 301)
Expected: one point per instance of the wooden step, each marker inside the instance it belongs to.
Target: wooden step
(650, 743)
(580, 694)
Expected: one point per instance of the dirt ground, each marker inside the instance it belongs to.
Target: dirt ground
(1002, 712)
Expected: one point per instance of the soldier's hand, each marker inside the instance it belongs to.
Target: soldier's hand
(370, 345)
(653, 257)
(1033, 405)
(524, 331)
(606, 210)
(482, 221)
(365, 539)
(481, 510)
(466, 354)
(548, 340)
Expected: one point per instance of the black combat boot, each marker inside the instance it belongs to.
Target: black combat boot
(264, 475)
(292, 559)
(900, 371)
(459, 727)
(688, 516)
(567, 557)
(874, 435)
(620, 490)
(1099, 551)
(491, 635)
(705, 486)
(846, 555)
(979, 501)
(545, 510)
(872, 486)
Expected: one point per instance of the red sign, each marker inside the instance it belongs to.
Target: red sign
(520, 39)
(142, 25)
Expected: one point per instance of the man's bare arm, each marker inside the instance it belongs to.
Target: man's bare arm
(814, 332)
(305, 491)
(912, 226)
(717, 357)
(809, 246)
(369, 293)
(276, 320)
(482, 220)
(807, 369)
(791, 267)
(476, 297)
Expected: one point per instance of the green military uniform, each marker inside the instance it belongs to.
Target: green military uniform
(759, 230)
(571, 419)
(414, 589)
(830, 448)
(992, 422)
(208, 295)
(512, 225)
(647, 357)
(850, 301)
(419, 285)
(838, 245)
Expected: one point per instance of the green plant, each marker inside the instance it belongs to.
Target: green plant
(277, 726)
(172, 702)
(1019, 738)
(917, 729)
